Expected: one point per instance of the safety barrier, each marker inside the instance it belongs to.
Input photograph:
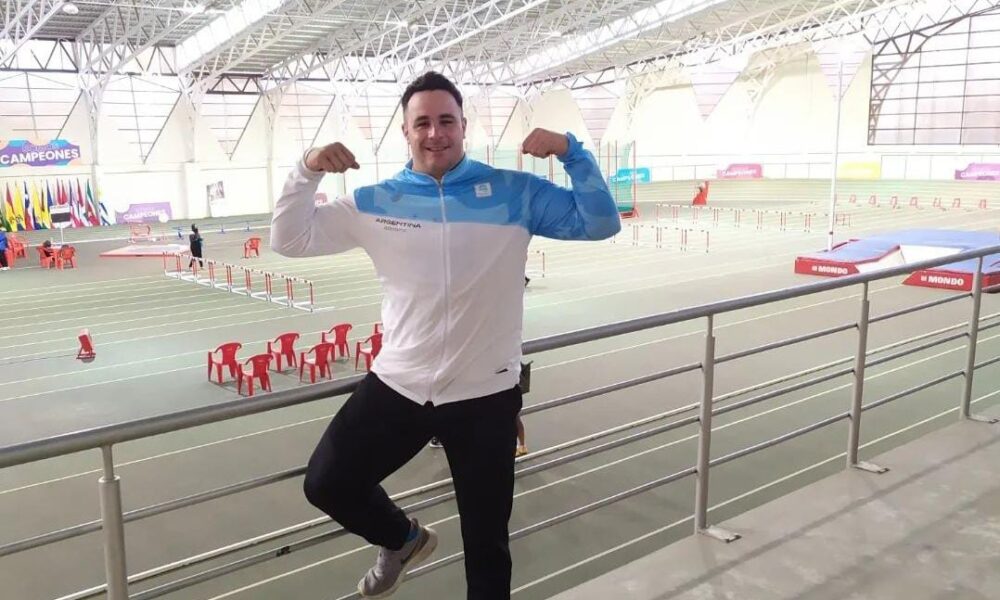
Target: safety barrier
(707, 406)
(284, 290)
(896, 203)
(759, 219)
(662, 236)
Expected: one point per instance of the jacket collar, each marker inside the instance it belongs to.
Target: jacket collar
(464, 169)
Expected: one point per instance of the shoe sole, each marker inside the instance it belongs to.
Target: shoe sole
(414, 561)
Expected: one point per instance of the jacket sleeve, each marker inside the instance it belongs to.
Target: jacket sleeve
(586, 212)
(300, 228)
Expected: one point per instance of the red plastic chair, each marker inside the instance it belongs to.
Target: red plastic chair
(377, 328)
(227, 358)
(86, 345)
(339, 340)
(66, 255)
(321, 355)
(18, 245)
(46, 259)
(260, 363)
(286, 349)
(251, 245)
(370, 352)
(11, 257)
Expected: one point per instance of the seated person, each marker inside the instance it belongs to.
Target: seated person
(47, 250)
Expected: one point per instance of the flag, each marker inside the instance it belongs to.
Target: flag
(92, 209)
(29, 218)
(11, 213)
(38, 203)
(82, 206)
(18, 208)
(49, 201)
(74, 206)
(4, 212)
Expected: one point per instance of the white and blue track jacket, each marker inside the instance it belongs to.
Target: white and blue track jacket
(450, 257)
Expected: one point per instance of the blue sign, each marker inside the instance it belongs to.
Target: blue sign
(640, 175)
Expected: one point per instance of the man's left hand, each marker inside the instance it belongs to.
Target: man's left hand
(542, 143)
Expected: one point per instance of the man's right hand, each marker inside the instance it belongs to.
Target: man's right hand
(333, 158)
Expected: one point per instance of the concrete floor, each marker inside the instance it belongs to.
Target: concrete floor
(152, 334)
(928, 529)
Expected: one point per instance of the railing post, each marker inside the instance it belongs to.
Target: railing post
(858, 396)
(114, 529)
(970, 362)
(705, 441)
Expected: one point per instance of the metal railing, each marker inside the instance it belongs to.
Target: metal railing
(105, 438)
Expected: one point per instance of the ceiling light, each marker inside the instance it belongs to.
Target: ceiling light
(70, 9)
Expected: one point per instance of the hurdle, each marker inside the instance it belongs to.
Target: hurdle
(247, 281)
(535, 264)
(260, 294)
(686, 237)
(172, 260)
(290, 282)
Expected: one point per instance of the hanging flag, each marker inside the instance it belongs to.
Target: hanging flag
(4, 212)
(18, 208)
(92, 209)
(74, 205)
(50, 200)
(9, 209)
(29, 217)
(38, 204)
(82, 205)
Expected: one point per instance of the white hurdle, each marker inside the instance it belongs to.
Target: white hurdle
(247, 281)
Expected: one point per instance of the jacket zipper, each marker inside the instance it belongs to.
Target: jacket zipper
(447, 286)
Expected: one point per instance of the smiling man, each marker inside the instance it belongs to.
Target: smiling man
(449, 239)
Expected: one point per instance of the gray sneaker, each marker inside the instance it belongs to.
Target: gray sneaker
(390, 568)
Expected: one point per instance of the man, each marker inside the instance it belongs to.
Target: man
(449, 238)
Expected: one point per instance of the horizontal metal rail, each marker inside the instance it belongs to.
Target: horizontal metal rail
(919, 307)
(785, 342)
(915, 349)
(614, 387)
(781, 392)
(775, 441)
(912, 390)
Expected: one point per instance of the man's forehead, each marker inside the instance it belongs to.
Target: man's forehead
(432, 103)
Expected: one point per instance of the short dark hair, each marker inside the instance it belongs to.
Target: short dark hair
(431, 80)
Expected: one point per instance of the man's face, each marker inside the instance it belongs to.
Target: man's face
(435, 129)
